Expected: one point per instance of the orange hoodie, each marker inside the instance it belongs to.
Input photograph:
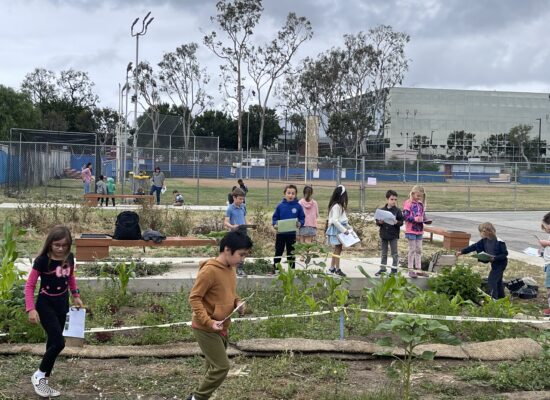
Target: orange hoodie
(214, 295)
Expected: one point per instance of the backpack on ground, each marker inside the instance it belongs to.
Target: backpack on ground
(127, 226)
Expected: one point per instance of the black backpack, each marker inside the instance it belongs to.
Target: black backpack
(127, 226)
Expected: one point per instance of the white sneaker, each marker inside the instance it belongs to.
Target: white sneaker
(42, 388)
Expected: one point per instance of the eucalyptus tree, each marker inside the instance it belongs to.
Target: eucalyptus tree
(183, 80)
(267, 63)
(237, 20)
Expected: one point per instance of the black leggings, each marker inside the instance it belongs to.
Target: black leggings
(281, 242)
(52, 313)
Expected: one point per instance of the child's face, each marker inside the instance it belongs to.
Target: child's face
(290, 194)
(236, 258)
(238, 200)
(392, 201)
(545, 228)
(417, 196)
(60, 248)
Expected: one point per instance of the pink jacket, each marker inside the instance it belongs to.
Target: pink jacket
(311, 210)
(412, 210)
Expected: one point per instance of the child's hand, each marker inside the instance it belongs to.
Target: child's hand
(241, 308)
(33, 317)
(78, 302)
(419, 218)
(217, 325)
(458, 253)
(275, 227)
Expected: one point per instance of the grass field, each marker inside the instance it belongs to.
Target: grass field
(479, 196)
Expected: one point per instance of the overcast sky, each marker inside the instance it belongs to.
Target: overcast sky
(455, 44)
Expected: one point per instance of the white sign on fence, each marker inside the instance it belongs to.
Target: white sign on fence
(371, 181)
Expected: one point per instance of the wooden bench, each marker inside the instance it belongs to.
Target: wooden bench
(90, 199)
(90, 249)
(501, 178)
(452, 240)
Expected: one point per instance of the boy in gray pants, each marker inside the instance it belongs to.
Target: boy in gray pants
(389, 234)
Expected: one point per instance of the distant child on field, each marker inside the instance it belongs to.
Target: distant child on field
(243, 187)
(490, 244)
(235, 219)
(101, 188)
(111, 189)
(308, 232)
(213, 299)
(178, 198)
(54, 265)
(337, 223)
(546, 254)
(389, 234)
(230, 195)
(288, 208)
(414, 212)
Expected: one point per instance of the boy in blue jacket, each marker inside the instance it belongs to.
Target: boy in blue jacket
(288, 208)
(496, 248)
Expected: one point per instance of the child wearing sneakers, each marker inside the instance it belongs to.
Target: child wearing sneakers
(546, 254)
(414, 212)
(54, 265)
(337, 223)
(213, 299)
(389, 234)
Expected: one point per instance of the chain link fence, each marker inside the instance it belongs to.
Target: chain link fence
(51, 168)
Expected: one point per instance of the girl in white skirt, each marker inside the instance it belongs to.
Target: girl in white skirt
(337, 223)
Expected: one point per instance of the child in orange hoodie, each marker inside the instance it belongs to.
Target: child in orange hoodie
(213, 299)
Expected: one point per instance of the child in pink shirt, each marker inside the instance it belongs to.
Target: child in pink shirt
(308, 232)
(55, 268)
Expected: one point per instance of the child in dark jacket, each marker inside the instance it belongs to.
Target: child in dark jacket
(389, 234)
(490, 244)
(288, 208)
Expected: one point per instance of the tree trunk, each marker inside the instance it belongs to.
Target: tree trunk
(239, 109)
(522, 151)
(261, 133)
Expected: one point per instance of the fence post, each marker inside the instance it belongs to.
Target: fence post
(417, 170)
(218, 163)
(338, 169)
(469, 186)
(515, 186)
(363, 191)
(287, 163)
(267, 192)
(170, 155)
(198, 175)
(47, 168)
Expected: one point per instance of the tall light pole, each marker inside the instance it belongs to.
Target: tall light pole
(247, 135)
(145, 23)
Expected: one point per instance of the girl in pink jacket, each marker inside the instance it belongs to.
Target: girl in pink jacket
(308, 232)
(414, 212)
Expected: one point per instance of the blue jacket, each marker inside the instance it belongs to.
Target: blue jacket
(501, 253)
(286, 210)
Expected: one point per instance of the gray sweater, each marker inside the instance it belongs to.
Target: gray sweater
(158, 179)
(100, 187)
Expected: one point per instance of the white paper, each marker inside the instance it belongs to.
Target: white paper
(343, 173)
(371, 181)
(75, 323)
(348, 240)
(163, 190)
(315, 174)
(386, 216)
(531, 251)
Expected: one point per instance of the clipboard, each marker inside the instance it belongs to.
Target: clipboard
(348, 240)
(286, 225)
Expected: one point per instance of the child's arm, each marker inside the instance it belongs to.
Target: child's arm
(301, 216)
(275, 217)
(544, 243)
(227, 224)
(201, 286)
(466, 250)
(30, 286)
(503, 254)
(334, 218)
(399, 218)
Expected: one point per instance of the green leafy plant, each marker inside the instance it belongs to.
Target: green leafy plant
(388, 292)
(259, 266)
(310, 253)
(9, 275)
(121, 277)
(459, 279)
(411, 332)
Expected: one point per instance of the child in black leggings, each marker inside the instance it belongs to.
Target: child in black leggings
(55, 268)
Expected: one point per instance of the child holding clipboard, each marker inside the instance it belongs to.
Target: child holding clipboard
(288, 216)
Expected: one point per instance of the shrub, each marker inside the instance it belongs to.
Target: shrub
(457, 280)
